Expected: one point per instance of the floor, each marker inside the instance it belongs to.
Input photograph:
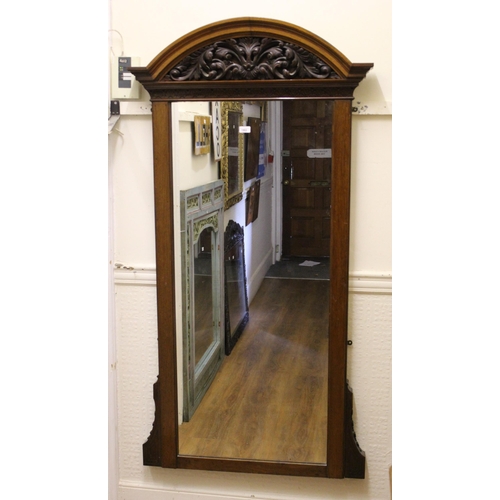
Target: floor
(315, 268)
(269, 399)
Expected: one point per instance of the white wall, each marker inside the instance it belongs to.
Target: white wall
(361, 31)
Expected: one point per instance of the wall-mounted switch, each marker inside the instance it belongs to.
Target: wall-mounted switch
(123, 82)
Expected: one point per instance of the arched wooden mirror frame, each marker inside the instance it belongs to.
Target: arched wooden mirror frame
(291, 63)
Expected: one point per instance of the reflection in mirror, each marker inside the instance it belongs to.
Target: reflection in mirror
(203, 340)
(204, 332)
(268, 400)
(236, 298)
(232, 152)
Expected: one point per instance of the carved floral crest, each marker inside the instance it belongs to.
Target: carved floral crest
(251, 59)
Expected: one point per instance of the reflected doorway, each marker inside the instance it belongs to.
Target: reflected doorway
(306, 177)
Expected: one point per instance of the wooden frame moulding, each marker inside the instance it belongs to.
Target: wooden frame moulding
(254, 59)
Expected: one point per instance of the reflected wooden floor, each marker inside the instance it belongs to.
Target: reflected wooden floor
(269, 399)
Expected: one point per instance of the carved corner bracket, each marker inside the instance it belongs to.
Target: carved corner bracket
(354, 456)
(151, 449)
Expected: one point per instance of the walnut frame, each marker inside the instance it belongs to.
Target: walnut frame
(178, 74)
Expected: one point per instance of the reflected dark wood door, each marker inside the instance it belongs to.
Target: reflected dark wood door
(307, 139)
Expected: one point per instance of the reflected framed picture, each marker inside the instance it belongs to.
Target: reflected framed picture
(216, 130)
(252, 149)
(255, 212)
(252, 203)
(232, 150)
(202, 135)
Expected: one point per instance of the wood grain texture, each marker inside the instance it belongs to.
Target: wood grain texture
(269, 399)
(165, 424)
(307, 125)
(339, 283)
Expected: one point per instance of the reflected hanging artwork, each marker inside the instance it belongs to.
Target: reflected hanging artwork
(252, 149)
(202, 136)
(252, 203)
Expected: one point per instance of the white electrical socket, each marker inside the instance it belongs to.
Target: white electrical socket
(123, 83)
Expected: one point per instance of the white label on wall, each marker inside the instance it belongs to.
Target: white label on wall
(319, 153)
(245, 129)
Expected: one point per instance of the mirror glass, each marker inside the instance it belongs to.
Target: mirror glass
(268, 399)
(236, 297)
(204, 332)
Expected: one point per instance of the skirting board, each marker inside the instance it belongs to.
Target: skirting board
(135, 492)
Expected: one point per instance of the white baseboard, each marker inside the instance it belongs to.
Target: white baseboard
(257, 277)
(130, 491)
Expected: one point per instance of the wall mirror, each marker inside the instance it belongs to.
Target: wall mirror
(202, 283)
(235, 278)
(231, 164)
(253, 59)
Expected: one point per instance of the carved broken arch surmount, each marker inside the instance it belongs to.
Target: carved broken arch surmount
(237, 60)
